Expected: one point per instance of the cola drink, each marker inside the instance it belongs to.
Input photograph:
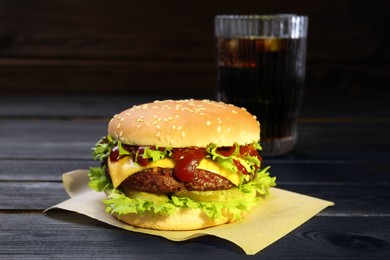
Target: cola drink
(266, 76)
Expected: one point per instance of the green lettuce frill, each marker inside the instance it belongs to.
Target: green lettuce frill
(118, 203)
(242, 198)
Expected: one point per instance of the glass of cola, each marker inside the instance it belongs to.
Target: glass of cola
(261, 66)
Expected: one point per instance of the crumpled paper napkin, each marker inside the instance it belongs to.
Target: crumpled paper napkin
(276, 216)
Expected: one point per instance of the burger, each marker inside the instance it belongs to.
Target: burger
(181, 165)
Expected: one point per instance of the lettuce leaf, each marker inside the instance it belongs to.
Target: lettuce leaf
(104, 146)
(97, 179)
(251, 163)
(118, 203)
(157, 154)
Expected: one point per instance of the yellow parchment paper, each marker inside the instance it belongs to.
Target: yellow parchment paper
(275, 217)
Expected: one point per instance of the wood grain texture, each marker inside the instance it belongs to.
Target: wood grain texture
(342, 30)
(342, 156)
(68, 235)
(68, 139)
(349, 201)
(95, 47)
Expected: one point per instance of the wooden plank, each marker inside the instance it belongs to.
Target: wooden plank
(359, 141)
(108, 77)
(347, 79)
(95, 47)
(315, 107)
(40, 170)
(151, 29)
(319, 108)
(333, 173)
(350, 199)
(175, 78)
(288, 172)
(69, 235)
(66, 139)
(31, 195)
(70, 107)
(49, 138)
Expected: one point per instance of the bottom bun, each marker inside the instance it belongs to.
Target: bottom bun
(183, 219)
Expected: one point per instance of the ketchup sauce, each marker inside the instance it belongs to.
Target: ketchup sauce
(247, 150)
(136, 154)
(226, 151)
(186, 162)
(187, 159)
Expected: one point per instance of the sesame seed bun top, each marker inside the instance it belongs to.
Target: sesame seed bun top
(184, 123)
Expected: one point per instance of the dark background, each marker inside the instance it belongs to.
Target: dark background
(87, 47)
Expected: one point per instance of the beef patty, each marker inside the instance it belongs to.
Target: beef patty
(161, 180)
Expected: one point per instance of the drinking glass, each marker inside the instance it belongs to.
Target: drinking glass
(261, 66)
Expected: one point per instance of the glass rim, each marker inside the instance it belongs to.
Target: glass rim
(267, 26)
(260, 16)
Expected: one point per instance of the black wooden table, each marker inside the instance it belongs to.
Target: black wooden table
(342, 155)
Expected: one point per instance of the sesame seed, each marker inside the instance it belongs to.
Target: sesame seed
(173, 127)
(179, 128)
(234, 111)
(183, 134)
(118, 126)
(158, 127)
(218, 129)
(208, 122)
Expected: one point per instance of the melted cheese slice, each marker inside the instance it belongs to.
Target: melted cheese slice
(125, 167)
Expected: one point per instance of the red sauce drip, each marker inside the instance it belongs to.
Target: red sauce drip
(187, 159)
(135, 152)
(240, 167)
(114, 154)
(247, 150)
(226, 151)
(252, 151)
(186, 162)
(140, 160)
